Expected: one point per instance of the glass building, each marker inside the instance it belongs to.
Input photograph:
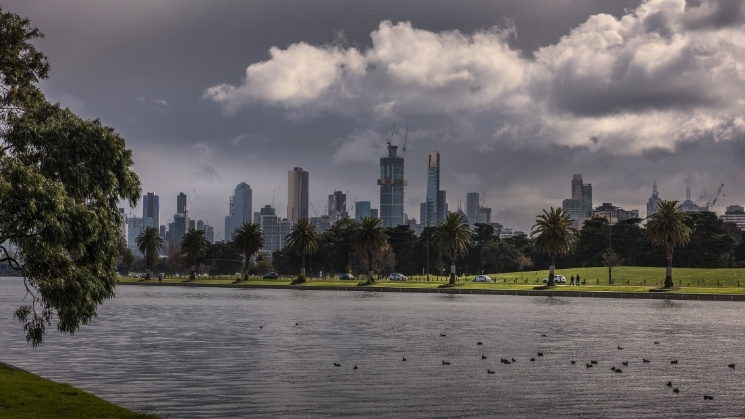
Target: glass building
(392, 185)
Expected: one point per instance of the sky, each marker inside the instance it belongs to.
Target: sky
(517, 96)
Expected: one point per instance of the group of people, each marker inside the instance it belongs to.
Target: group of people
(571, 280)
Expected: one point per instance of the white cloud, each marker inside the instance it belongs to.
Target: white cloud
(662, 75)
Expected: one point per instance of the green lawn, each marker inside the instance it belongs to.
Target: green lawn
(625, 279)
(25, 395)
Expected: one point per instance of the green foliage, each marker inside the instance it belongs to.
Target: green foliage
(710, 243)
(369, 238)
(194, 246)
(501, 255)
(554, 235)
(300, 279)
(149, 243)
(403, 243)
(61, 179)
(248, 239)
(667, 228)
(302, 239)
(223, 259)
(453, 237)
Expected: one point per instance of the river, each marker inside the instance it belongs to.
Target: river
(217, 352)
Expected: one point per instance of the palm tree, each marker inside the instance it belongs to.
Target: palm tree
(369, 237)
(193, 246)
(248, 239)
(149, 243)
(302, 239)
(453, 237)
(555, 236)
(667, 228)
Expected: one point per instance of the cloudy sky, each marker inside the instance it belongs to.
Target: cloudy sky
(516, 95)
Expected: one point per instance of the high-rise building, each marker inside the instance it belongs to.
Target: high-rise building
(321, 223)
(654, 202)
(392, 185)
(472, 207)
(209, 233)
(151, 210)
(240, 209)
(268, 223)
(688, 205)
(135, 226)
(580, 204)
(180, 227)
(434, 208)
(297, 194)
(735, 214)
(615, 213)
(361, 209)
(485, 215)
(181, 203)
(285, 228)
(374, 213)
(337, 206)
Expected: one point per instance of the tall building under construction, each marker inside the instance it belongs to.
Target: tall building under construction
(392, 185)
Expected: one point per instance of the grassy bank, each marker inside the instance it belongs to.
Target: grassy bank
(624, 279)
(25, 395)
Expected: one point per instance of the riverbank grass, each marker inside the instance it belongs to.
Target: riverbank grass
(25, 395)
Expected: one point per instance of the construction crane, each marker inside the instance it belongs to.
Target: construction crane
(390, 138)
(188, 204)
(716, 196)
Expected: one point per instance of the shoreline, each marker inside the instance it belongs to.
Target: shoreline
(456, 290)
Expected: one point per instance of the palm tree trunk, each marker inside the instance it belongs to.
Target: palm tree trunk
(551, 271)
(452, 270)
(302, 264)
(193, 275)
(370, 267)
(669, 268)
(245, 269)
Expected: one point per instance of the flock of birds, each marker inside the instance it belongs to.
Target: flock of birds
(592, 363)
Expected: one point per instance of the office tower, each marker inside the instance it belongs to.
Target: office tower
(192, 224)
(200, 225)
(362, 209)
(268, 223)
(337, 206)
(321, 223)
(135, 226)
(472, 207)
(181, 203)
(180, 227)
(209, 233)
(374, 213)
(163, 231)
(151, 210)
(285, 227)
(580, 204)
(653, 204)
(240, 209)
(297, 194)
(434, 208)
(392, 185)
(735, 214)
(485, 215)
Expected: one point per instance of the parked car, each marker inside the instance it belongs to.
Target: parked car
(482, 278)
(559, 279)
(346, 276)
(271, 275)
(397, 277)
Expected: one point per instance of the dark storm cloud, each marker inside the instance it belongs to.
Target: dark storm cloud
(538, 94)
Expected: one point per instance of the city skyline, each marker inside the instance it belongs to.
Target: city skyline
(516, 96)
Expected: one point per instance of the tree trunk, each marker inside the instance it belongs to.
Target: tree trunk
(193, 275)
(370, 266)
(452, 271)
(302, 264)
(551, 272)
(669, 268)
(245, 270)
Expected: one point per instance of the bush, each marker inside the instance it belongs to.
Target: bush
(301, 279)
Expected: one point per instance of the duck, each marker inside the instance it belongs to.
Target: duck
(442, 335)
(618, 370)
(619, 348)
(731, 366)
(674, 362)
(540, 353)
(588, 365)
(483, 356)
(645, 361)
(513, 359)
(573, 362)
(625, 363)
(675, 390)
(337, 365)
(593, 362)
(479, 343)
(445, 363)
(355, 367)
(708, 397)
(532, 359)
(669, 384)
(490, 371)
(612, 368)
(403, 359)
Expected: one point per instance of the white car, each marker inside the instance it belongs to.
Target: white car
(558, 279)
(397, 277)
(482, 278)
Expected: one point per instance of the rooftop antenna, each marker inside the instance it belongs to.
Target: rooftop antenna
(391, 136)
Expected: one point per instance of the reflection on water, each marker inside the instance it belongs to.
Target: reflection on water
(211, 352)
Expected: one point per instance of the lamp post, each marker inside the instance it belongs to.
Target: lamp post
(610, 250)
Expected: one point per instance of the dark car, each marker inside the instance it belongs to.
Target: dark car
(346, 276)
(271, 275)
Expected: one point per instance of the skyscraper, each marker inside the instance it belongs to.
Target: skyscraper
(392, 185)
(239, 209)
(434, 208)
(337, 206)
(297, 194)
(361, 209)
(472, 207)
(181, 203)
(151, 210)
(653, 204)
(268, 222)
(580, 204)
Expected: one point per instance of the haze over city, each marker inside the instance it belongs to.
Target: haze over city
(516, 96)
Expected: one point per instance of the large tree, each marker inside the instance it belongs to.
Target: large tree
(554, 236)
(149, 243)
(452, 238)
(194, 246)
(61, 180)
(248, 239)
(303, 239)
(667, 228)
(369, 238)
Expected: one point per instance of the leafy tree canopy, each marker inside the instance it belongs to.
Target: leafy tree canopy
(61, 179)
